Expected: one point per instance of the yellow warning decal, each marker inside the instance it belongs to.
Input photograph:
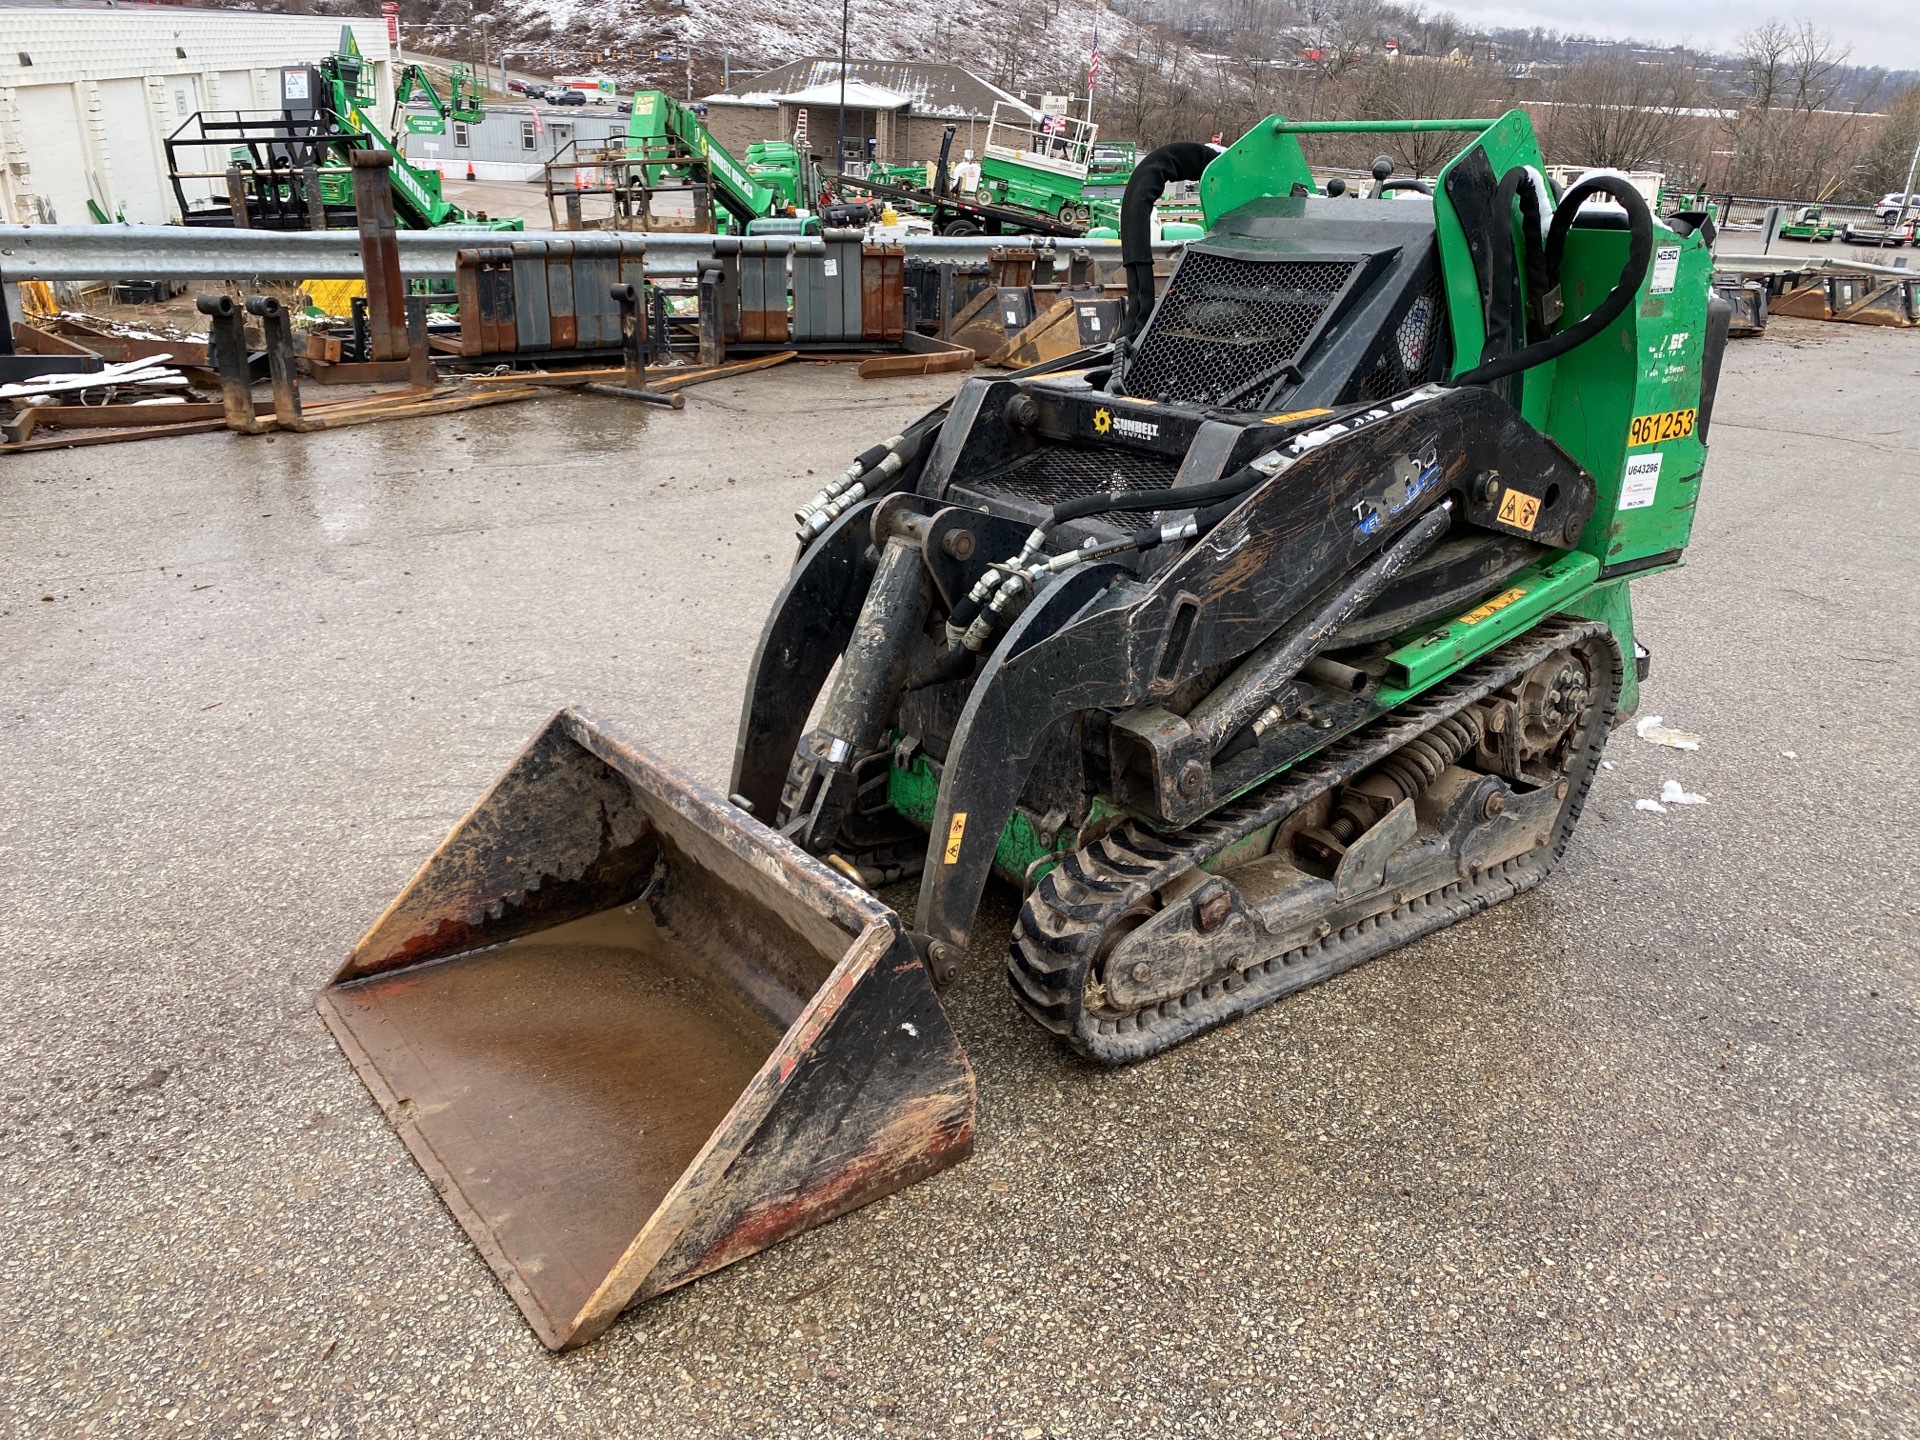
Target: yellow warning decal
(1491, 607)
(954, 832)
(1520, 510)
(1296, 415)
(1653, 429)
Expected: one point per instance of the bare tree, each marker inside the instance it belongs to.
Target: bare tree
(1790, 134)
(1890, 157)
(1620, 112)
(1429, 88)
(1021, 38)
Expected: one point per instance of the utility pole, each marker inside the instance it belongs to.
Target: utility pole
(1906, 200)
(846, 14)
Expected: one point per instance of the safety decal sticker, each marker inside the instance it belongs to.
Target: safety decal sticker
(1520, 510)
(1491, 607)
(1666, 269)
(1641, 482)
(1669, 425)
(1296, 415)
(954, 832)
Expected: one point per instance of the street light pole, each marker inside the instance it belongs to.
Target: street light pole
(1906, 201)
(846, 9)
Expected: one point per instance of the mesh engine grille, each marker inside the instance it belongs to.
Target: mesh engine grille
(1408, 358)
(1225, 322)
(1061, 473)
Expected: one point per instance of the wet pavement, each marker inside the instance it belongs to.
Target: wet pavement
(1634, 1154)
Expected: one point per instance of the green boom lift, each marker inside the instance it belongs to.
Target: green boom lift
(324, 116)
(780, 167)
(348, 87)
(667, 138)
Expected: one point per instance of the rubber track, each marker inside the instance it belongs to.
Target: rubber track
(1069, 912)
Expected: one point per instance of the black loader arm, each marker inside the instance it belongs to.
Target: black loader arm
(1344, 501)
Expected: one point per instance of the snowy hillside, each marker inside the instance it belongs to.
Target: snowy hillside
(1019, 44)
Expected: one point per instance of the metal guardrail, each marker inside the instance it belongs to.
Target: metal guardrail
(1797, 264)
(176, 252)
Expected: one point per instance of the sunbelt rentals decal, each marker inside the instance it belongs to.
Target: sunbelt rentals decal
(1106, 422)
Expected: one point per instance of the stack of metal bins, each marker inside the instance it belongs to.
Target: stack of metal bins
(545, 295)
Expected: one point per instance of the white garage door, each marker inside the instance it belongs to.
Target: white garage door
(180, 100)
(236, 91)
(137, 162)
(50, 131)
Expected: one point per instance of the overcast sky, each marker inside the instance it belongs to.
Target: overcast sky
(1881, 32)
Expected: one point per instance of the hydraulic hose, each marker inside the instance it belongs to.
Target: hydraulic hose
(1237, 483)
(977, 620)
(1227, 490)
(1639, 257)
(872, 471)
(1182, 160)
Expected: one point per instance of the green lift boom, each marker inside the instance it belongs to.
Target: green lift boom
(348, 88)
(667, 138)
(325, 115)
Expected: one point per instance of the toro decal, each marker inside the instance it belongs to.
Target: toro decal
(1412, 476)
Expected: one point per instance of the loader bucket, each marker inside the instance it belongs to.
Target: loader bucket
(633, 1035)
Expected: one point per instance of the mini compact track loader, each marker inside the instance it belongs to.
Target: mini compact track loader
(1284, 630)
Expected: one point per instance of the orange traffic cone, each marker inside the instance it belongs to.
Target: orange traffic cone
(469, 171)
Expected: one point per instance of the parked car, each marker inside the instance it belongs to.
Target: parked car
(1888, 210)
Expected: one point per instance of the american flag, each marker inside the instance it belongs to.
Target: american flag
(1093, 60)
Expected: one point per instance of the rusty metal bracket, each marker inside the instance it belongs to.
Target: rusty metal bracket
(227, 330)
(380, 253)
(282, 365)
(633, 354)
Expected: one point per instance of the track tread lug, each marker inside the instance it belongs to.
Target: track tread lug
(1062, 921)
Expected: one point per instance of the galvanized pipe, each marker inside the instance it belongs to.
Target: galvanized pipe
(177, 252)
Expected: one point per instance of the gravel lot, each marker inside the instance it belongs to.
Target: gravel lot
(1635, 1154)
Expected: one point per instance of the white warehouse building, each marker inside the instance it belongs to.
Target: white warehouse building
(88, 97)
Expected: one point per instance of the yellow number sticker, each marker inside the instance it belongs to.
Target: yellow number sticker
(954, 832)
(1520, 510)
(1654, 429)
(1491, 607)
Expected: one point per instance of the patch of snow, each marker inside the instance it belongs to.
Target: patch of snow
(759, 35)
(1651, 729)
